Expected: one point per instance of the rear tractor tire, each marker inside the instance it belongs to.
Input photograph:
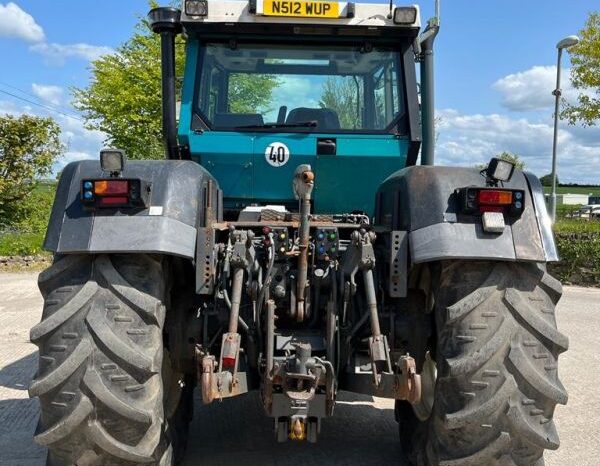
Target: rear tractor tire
(108, 397)
(496, 359)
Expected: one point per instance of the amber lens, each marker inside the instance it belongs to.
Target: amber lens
(111, 188)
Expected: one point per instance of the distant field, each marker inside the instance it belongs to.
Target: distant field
(595, 191)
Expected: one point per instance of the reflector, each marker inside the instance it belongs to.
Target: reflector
(113, 201)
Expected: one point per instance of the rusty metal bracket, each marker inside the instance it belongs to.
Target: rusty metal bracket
(398, 264)
(205, 261)
(207, 381)
(408, 382)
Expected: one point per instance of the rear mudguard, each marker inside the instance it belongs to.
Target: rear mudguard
(183, 197)
(422, 201)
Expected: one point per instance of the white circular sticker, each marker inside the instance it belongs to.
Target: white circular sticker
(277, 154)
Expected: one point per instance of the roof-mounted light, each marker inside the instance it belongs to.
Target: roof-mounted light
(196, 7)
(405, 15)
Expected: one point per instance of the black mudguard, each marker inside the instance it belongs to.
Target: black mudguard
(422, 201)
(183, 197)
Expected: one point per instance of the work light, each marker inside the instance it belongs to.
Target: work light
(500, 170)
(196, 8)
(405, 15)
(112, 160)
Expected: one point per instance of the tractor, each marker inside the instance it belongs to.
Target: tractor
(298, 241)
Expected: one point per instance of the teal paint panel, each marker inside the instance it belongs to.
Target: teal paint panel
(345, 182)
(187, 95)
(275, 183)
(349, 180)
(228, 156)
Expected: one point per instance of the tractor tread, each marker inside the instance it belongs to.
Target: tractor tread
(60, 375)
(140, 453)
(67, 311)
(552, 390)
(481, 414)
(144, 304)
(460, 309)
(535, 321)
(495, 449)
(66, 426)
(93, 381)
(89, 417)
(508, 370)
(124, 352)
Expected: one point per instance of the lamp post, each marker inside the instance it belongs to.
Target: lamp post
(563, 44)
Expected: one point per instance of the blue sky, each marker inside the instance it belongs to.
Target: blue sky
(495, 64)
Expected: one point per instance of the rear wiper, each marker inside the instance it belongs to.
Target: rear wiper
(303, 124)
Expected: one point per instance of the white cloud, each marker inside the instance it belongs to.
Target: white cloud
(69, 157)
(50, 94)
(531, 90)
(14, 22)
(468, 140)
(57, 54)
(294, 92)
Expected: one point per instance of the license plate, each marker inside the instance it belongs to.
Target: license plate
(301, 9)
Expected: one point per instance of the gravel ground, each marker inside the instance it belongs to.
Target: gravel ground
(236, 432)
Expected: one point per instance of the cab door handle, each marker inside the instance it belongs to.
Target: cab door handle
(326, 146)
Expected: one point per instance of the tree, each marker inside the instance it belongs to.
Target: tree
(509, 157)
(512, 158)
(124, 98)
(29, 146)
(585, 75)
(341, 94)
(546, 180)
(251, 93)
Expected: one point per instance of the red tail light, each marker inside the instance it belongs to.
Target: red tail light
(495, 197)
(114, 193)
(111, 188)
(476, 200)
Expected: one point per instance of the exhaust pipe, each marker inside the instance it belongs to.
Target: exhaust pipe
(425, 44)
(166, 21)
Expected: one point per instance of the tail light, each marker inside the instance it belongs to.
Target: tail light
(479, 200)
(113, 193)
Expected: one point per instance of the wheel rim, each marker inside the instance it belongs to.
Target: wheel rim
(428, 378)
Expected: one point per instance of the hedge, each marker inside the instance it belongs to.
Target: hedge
(578, 245)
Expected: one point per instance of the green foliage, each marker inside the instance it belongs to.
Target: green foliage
(585, 75)
(23, 233)
(546, 180)
(251, 93)
(512, 158)
(578, 245)
(509, 157)
(124, 98)
(21, 244)
(342, 94)
(593, 190)
(29, 145)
